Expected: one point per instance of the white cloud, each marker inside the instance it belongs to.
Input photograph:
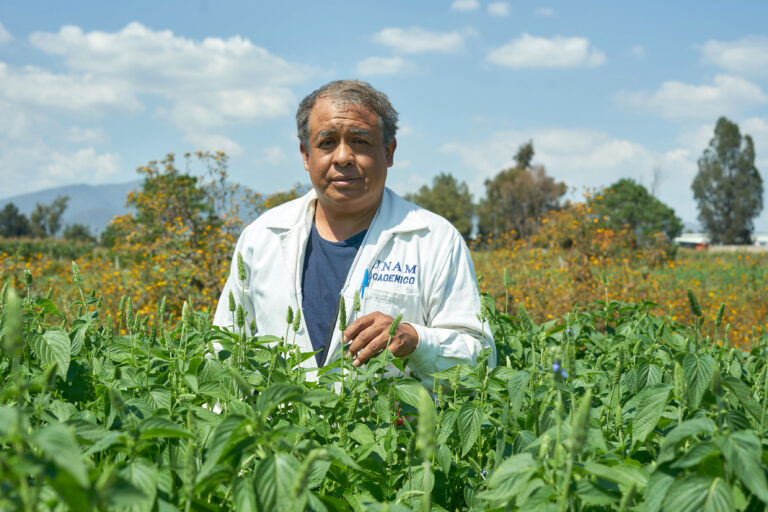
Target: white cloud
(384, 66)
(158, 59)
(86, 93)
(207, 83)
(539, 52)
(464, 5)
(638, 50)
(14, 121)
(80, 135)
(544, 11)
(5, 36)
(726, 96)
(498, 9)
(583, 159)
(748, 55)
(83, 165)
(213, 142)
(418, 40)
(409, 185)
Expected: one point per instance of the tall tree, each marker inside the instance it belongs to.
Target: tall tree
(46, 218)
(626, 203)
(728, 187)
(517, 197)
(78, 233)
(447, 198)
(12, 222)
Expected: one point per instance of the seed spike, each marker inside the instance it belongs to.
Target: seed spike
(719, 318)
(75, 274)
(232, 304)
(342, 315)
(395, 324)
(297, 321)
(356, 301)
(694, 303)
(240, 267)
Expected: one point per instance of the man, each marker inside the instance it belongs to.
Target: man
(352, 234)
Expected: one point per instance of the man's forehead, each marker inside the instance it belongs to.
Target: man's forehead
(334, 131)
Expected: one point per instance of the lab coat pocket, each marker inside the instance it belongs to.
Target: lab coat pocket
(393, 303)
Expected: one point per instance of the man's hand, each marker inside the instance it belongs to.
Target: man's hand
(369, 335)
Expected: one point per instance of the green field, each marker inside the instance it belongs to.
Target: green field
(616, 409)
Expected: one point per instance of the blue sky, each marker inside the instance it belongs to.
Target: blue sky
(91, 90)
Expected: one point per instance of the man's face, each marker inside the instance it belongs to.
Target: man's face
(346, 158)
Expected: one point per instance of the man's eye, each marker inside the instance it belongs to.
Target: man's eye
(360, 141)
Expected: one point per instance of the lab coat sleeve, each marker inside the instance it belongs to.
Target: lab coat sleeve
(453, 334)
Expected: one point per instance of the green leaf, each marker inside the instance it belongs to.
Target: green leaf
(468, 419)
(742, 451)
(219, 440)
(684, 430)
(276, 394)
(160, 398)
(696, 454)
(624, 475)
(143, 476)
(658, 484)
(742, 392)
(47, 307)
(650, 405)
(54, 346)
(159, 427)
(244, 495)
(274, 477)
(58, 443)
(698, 493)
(444, 459)
(408, 391)
(516, 386)
(362, 434)
(698, 371)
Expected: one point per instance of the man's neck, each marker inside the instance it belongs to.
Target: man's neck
(336, 226)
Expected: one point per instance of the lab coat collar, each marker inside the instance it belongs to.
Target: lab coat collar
(394, 211)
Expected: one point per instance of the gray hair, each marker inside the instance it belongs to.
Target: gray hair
(349, 92)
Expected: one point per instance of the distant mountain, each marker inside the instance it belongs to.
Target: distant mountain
(91, 205)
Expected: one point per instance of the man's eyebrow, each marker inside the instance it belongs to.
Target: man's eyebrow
(326, 133)
(360, 131)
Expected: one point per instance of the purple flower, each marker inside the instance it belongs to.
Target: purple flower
(559, 370)
(483, 473)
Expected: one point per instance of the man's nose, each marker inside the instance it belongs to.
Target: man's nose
(343, 155)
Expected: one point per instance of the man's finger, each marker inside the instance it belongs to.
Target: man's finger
(358, 325)
(363, 338)
(371, 349)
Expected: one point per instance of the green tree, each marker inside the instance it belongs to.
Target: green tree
(12, 222)
(728, 187)
(283, 196)
(447, 198)
(626, 203)
(78, 233)
(517, 197)
(45, 220)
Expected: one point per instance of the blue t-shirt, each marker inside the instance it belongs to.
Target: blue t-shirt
(326, 265)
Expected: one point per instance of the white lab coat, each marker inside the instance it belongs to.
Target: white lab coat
(418, 265)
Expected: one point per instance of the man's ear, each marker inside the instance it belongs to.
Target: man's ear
(389, 151)
(304, 155)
